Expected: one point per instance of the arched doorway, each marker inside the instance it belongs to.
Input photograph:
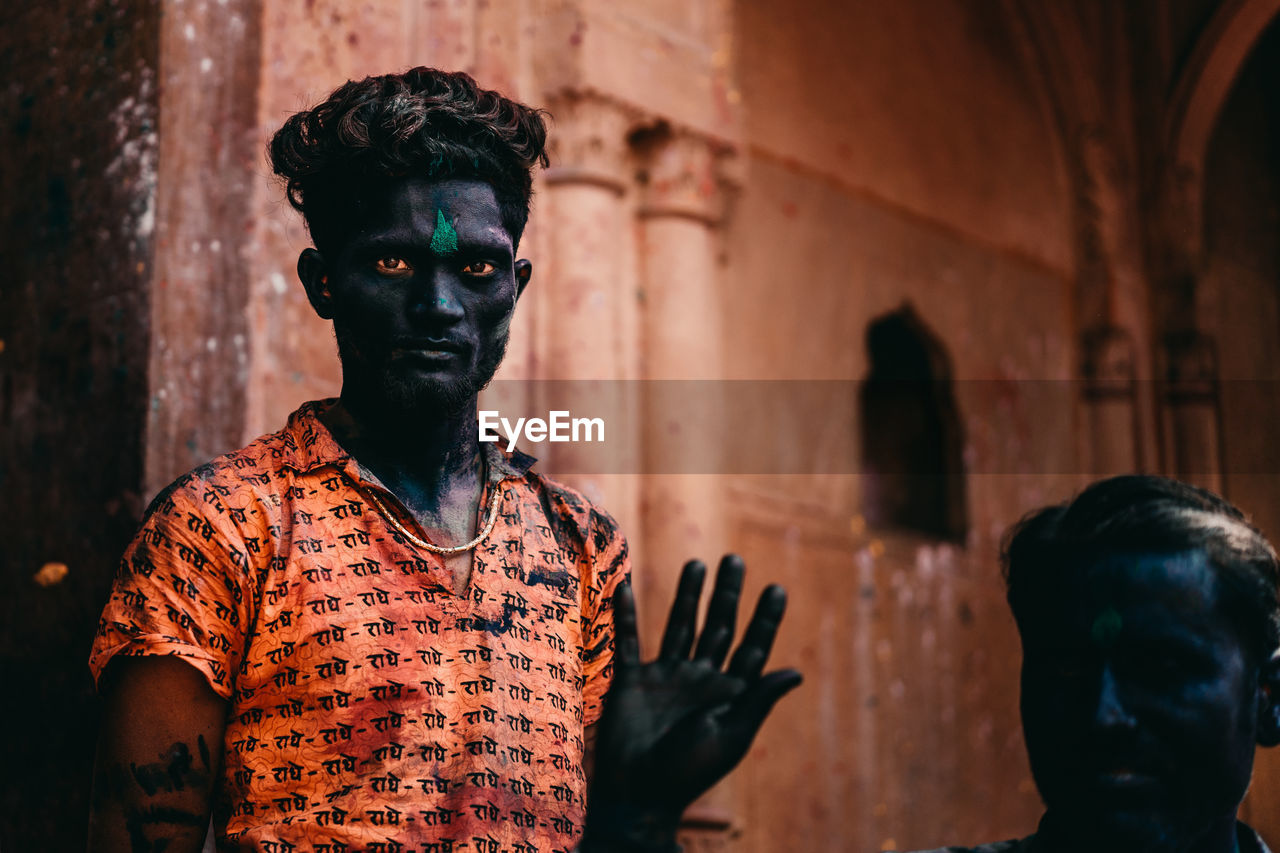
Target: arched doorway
(913, 474)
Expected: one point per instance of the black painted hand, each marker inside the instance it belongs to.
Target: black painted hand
(674, 727)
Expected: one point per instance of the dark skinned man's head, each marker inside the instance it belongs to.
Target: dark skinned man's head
(1149, 619)
(415, 188)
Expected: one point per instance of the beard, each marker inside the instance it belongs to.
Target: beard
(1101, 826)
(408, 394)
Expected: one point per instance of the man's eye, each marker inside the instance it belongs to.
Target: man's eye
(479, 269)
(392, 266)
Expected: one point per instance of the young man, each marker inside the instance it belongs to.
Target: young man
(369, 631)
(1150, 628)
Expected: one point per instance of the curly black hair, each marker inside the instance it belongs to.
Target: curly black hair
(424, 122)
(1140, 513)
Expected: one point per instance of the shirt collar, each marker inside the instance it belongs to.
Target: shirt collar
(504, 465)
(309, 445)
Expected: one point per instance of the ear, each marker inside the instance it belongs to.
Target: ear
(313, 273)
(524, 272)
(1269, 702)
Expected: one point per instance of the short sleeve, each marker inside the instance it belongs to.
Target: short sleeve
(182, 587)
(609, 566)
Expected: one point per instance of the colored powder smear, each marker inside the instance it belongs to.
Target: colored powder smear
(445, 240)
(1106, 628)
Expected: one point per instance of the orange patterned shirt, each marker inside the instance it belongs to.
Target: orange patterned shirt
(369, 707)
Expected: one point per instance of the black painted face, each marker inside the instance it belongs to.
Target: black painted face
(421, 295)
(1139, 700)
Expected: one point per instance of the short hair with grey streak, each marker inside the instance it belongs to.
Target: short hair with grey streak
(1147, 514)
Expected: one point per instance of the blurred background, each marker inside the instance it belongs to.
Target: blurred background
(1057, 218)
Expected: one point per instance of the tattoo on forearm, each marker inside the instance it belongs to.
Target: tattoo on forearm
(177, 770)
(136, 819)
(175, 774)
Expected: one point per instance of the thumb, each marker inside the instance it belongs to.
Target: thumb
(747, 712)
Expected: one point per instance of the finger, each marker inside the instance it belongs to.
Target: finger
(753, 652)
(748, 711)
(722, 613)
(677, 640)
(626, 640)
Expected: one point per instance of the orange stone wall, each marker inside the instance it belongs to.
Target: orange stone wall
(738, 188)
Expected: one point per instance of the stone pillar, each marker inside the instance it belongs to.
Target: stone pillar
(1189, 407)
(583, 295)
(682, 204)
(1109, 399)
(1190, 415)
(680, 207)
(1110, 299)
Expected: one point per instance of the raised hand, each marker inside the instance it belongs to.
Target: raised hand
(674, 727)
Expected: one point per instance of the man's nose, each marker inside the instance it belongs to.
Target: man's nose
(437, 296)
(1111, 712)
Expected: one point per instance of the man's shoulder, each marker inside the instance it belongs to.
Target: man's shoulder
(569, 510)
(255, 469)
(248, 465)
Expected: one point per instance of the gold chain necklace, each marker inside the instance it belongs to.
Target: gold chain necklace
(494, 499)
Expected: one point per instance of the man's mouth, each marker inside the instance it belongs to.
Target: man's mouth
(428, 348)
(1123, 777)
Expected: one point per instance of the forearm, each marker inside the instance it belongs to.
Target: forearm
(157, 764)
(139, 809)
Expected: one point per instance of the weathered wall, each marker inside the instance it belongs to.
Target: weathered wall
(78, 130)
(208, 167)
(820, 264)
(872, 134)
(905, 732)
(911, 104)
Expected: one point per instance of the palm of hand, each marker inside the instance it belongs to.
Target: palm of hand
(675, 726)
(678, 738)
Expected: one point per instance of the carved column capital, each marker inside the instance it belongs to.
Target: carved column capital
(1191, 416)
(1108, 363)
(684, 174)
(1110, 438)
(588, 141)
(1190, 366)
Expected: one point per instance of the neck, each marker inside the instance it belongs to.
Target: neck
(411, 454)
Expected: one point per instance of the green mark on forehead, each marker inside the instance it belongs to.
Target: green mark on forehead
(1106, 627)
(445, 240)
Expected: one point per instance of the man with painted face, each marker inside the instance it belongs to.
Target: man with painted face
(371, 631)
(1150, 630)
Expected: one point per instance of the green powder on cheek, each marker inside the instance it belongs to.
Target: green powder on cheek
(445, 240)
(1106, 628)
